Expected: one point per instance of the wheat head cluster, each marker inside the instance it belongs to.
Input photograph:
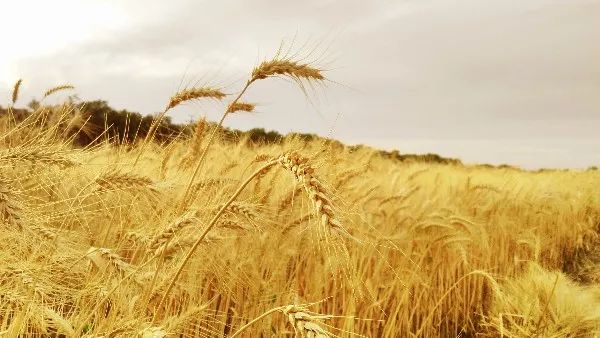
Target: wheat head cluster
(198, 237)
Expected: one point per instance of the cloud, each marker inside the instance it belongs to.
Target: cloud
(430, 69)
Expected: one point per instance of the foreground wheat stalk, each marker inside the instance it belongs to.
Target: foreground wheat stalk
(276, 67)
(210, 225)
(304, 173)
(185, 95)
(305, 322)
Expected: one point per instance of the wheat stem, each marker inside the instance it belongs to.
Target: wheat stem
(150, 135)
(208, 144)
(108, 294)
(208, 228)
(243, 328)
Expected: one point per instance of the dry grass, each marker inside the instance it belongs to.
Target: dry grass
(104, 242)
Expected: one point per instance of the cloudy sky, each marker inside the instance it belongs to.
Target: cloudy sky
(497, 81)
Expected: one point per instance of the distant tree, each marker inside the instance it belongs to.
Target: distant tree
(33, 104)
(121, 126)
(259, 135)
(427, 158)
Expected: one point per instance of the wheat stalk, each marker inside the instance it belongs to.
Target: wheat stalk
(118, 180)
(306, 323)
(210, 225)
(37, 155)
(25, 278)
(240, 106)
(288, 200)
(10, 209)
(303, 174)
(195, 93)
(152, 332)
(180, 97)
(137, 237)
(164, 163)
(287, 68)
(245, 209)
(15, 92)
(317, 193)
(275, 67)
(231, 224)
(194, 150)
(103, 257)
(44, 232)
(56, 89)
(161, 241)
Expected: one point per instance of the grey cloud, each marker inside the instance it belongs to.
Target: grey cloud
(431, 69)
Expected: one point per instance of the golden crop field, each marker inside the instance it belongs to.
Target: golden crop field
(203, 237)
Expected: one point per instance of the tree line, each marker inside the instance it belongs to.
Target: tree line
(101, 122)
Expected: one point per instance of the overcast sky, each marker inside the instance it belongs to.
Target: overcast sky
(497, 81)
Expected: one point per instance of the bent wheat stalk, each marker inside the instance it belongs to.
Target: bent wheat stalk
(107, 296)
(304, 174)
(57, 89)
(208, 144)
(210, 225)
(276, 67)
(185, 95)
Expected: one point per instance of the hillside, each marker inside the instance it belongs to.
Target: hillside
(101, 243)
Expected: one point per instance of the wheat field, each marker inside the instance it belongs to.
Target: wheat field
(202, 237)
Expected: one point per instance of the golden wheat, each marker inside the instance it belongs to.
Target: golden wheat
(15, 92)
(443, 250)
(118, 180)
(288, 68)
(195, 93)
(241, 106)
(57, 89)
(318, 194)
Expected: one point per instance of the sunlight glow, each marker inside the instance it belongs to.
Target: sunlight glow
(33, 28)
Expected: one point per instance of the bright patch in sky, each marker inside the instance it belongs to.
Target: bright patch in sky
(33, 28)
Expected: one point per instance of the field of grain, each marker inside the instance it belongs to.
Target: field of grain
(199, 237)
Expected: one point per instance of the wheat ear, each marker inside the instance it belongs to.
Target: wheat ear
(103, 257)
(119, 180)
(304, 174)
(210, 225)
(180, 97)
(57, 89)
(195, 93)
(305, 322)
(241, 106)
(15, 92)
(287, 68)
(274, 67)
(161, 241)
(10, 209)
(196, 142)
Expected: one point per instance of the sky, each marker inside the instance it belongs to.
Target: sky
(495, 81)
